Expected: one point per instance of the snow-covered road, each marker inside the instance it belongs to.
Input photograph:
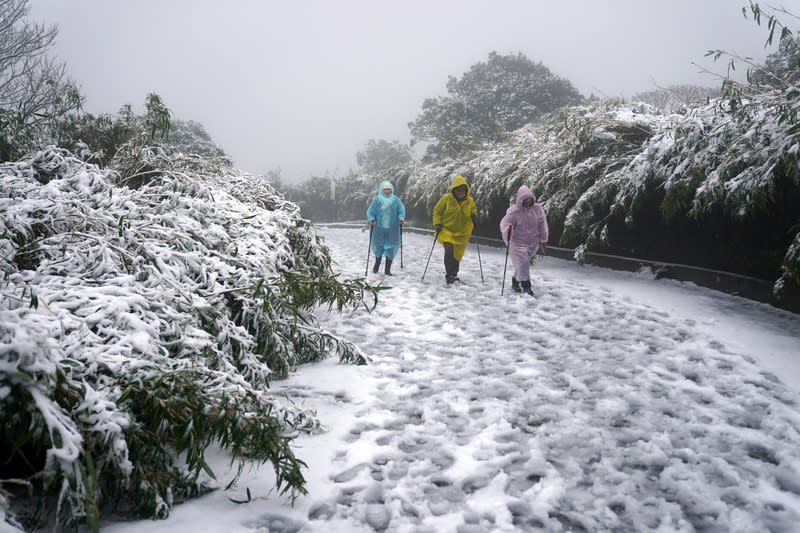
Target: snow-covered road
(610, 402)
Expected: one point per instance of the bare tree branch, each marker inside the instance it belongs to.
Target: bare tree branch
(34, 89)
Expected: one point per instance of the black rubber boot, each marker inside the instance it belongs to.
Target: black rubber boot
(526, 287)
(388, 268)
(515, 285)
(377, 264)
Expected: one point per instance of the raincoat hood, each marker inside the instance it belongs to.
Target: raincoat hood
(522, 193)
(529, 224)
(383, 185)
(459, 180)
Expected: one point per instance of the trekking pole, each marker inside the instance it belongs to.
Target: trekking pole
(401, 246)
(429, 255)
(368, 249)
(480, 264)
(505, 266)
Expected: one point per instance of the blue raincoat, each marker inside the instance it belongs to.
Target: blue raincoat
(386, 211)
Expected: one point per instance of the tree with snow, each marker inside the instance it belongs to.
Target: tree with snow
(379, 155)
(34, 89)
(490, 99)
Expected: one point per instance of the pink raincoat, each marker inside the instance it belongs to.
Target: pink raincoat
(528, 228)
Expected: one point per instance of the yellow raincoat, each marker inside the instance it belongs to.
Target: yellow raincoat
(455, 218)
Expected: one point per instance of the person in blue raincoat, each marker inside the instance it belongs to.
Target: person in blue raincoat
(386, 214)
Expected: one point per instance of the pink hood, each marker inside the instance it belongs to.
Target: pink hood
(528, 224)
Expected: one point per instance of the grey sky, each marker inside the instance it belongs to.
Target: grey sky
(304, 85)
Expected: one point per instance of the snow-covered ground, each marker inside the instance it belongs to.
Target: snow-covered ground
(610, 402)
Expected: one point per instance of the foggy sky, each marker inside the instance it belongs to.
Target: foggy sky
(302, 86)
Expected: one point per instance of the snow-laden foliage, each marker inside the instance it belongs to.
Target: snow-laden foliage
(560, 157)
(674, 97)
(790, 267)
(708, 160)
(622, 176)
(191, 137)
(140, 326)
(709, 164)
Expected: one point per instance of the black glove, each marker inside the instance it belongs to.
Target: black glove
(438, 228)
(474, 218)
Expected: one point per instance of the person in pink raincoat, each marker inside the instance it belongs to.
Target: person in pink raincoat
(526, 224)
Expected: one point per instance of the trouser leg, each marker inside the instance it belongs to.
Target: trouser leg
(450, 263)
(521, 261)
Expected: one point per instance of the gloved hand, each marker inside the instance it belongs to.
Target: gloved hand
(438, 228)
(474, 217)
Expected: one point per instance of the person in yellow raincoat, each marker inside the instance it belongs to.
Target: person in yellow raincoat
(454, 217)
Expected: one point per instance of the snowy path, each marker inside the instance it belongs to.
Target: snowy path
(586, 409)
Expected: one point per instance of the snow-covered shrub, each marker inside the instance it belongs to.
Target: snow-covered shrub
(191, 137)
(560, 157)
(103, 135)
(790, 269)
(96, 138)
(140, 326)
(675, 97)
(714, 168)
